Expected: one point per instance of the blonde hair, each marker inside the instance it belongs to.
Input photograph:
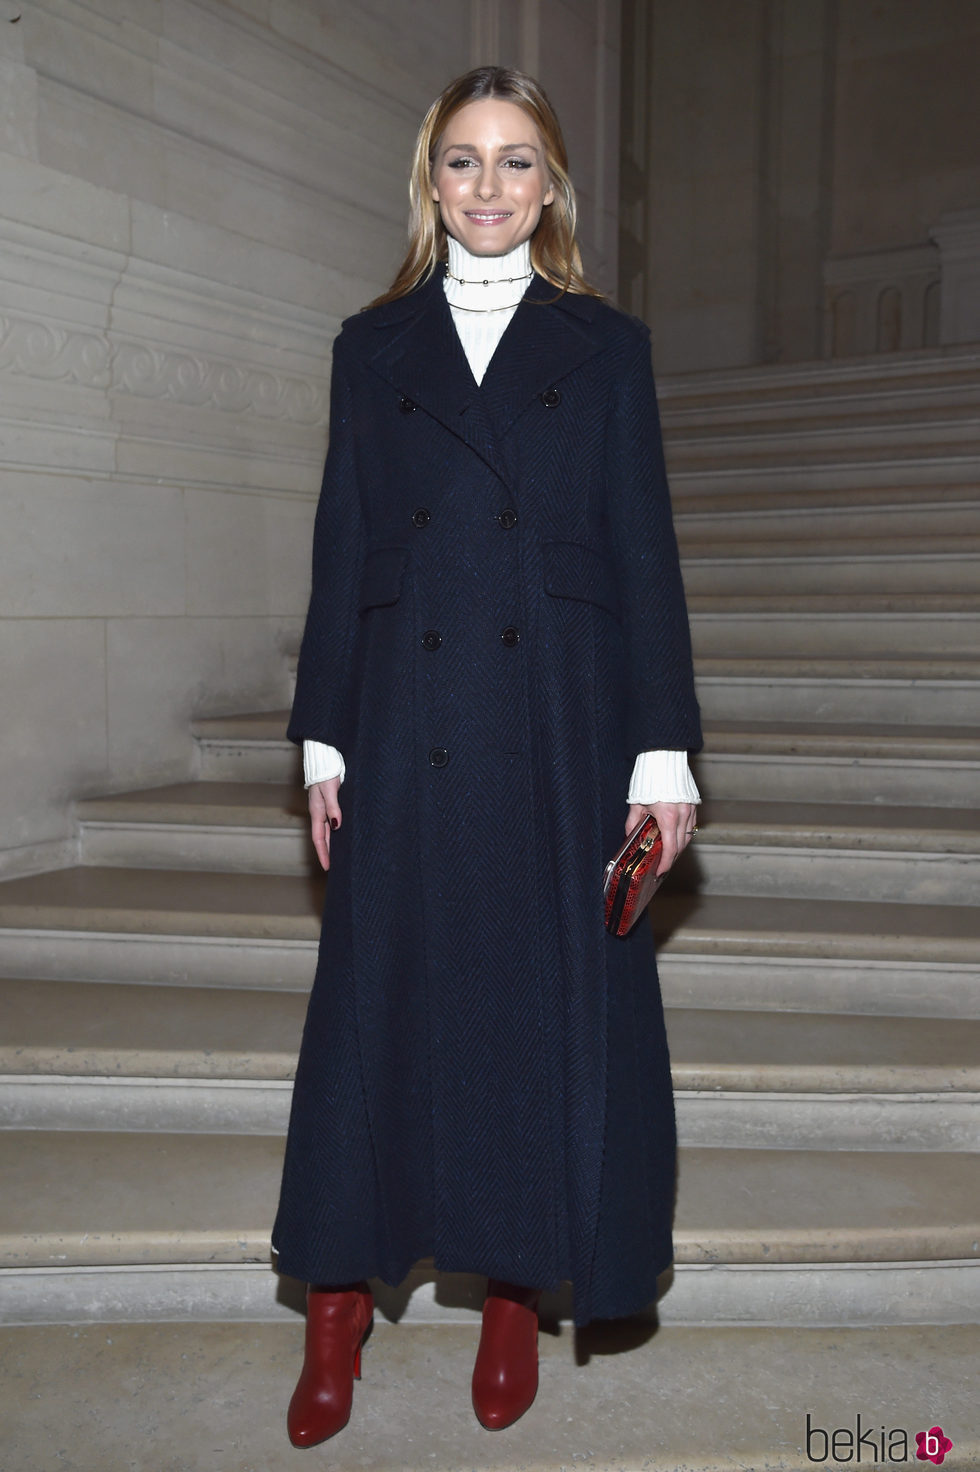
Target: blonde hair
(554, 251)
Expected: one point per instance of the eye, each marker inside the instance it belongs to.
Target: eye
(520, 163)
(459, 163)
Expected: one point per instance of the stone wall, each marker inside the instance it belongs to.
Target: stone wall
(193, 194)
(792, 169)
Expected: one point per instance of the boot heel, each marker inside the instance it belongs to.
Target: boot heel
(361, 1343)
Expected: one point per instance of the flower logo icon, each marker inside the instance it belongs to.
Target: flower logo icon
(933, 1445)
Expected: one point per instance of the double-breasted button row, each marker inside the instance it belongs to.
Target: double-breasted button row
(507, 518)
(551, 398)
(432, 638)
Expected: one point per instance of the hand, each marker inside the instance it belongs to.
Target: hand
(324, 811)
(676, 821)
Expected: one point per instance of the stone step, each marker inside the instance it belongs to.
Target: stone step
(876, 764)
(821, 850)
(247, 748)
(867, 611)
(922, 418)
(756, 416)
(925, 472)
(253, 827)
(912, 855)
(163, 926)
(619, 1395)
(210, 928)
(789, 529)
(875, 440)
(865, 427)
(918, 580)
(728, 545)
(858, 387)
(788, 630)
(763, 1221)
(793, 688)
(844, 761)
(796, 494)
(102, 1056)
(80, 1029)
(807, 693)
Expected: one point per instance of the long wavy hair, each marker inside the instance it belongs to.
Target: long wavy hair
(554, 250)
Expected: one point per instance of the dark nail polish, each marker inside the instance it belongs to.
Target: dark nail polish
(333, 822)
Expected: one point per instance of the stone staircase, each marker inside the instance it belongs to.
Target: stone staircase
(819, 956)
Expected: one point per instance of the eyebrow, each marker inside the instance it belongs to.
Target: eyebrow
(504, 147)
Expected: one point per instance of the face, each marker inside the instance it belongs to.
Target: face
(490, 178)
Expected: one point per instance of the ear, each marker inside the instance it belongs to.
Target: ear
(435, 194)
(549, 196)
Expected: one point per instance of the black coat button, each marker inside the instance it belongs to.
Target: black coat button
(508, 517)
(438, 756)
(510, 636)
(431, 639)
(406, 405)
(551, 398)
(421, 517)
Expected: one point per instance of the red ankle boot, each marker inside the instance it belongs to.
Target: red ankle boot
(505, 1376)
(336, 1326)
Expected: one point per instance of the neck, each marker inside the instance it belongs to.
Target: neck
(507, 276)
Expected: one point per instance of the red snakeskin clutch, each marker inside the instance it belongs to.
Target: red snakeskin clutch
(631, 879)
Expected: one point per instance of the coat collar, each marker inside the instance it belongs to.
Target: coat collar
(416, 349)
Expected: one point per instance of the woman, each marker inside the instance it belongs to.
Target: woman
(497, 642)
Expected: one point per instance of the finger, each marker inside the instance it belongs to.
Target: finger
(671, 848)
(321, 842)
(675, 820)
(319, 826)
(633, 815)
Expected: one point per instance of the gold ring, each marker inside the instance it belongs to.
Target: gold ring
(691, 832)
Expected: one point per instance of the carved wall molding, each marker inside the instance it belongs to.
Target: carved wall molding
(195, 380)
(40, 350)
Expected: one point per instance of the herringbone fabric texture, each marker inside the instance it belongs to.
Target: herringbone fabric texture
(484, 1075)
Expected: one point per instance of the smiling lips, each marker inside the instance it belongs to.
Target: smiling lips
(487, 217)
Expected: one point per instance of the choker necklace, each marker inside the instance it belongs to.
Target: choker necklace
(457, 308)
(500, 281)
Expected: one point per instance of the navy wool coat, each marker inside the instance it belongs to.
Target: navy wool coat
(497, 626)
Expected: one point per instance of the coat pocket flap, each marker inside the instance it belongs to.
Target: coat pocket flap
(574, 570)
(381, 580)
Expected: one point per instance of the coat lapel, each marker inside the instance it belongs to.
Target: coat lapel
(421, 356)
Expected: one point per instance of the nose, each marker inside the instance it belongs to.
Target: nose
(486, 186)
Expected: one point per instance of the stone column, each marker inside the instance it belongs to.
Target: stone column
(958, 236)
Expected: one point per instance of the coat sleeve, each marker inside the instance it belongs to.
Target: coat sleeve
(662, 709)
(322, 707)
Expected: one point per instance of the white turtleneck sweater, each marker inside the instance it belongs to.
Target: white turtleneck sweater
(500, 282)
